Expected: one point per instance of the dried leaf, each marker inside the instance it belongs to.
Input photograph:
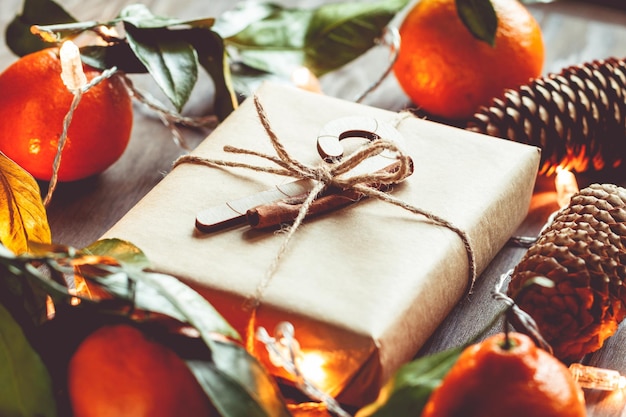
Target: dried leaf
(22, 213)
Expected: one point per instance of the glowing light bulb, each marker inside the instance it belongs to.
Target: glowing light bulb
(597, 378)
(72, 72)
(303, 78)
(566, 186)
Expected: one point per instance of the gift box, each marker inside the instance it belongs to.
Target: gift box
(364, 286)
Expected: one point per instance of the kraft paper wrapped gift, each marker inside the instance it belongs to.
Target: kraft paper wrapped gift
(364, 286)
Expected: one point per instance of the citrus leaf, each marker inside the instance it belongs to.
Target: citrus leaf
(237, 384)
(172, 63)
(409, 389)
(124, 252)
(480, 19)
(19, 39)
(274, 44)
(211, 55)
(25, 301)
(341, 32)
(117, 55)
(323, 39)
(140, 16)
(22, 214)
(243, 14)
(25, 384)
(196, 309)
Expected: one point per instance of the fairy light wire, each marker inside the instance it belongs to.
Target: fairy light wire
(67, 120)
(284, 351)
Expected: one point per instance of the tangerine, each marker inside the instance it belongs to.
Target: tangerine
(118, 371)
(449, 73)
(33, 104)
(493, 379)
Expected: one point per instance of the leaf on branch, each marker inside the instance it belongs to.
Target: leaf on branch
(124, 252)
(480, 18)
(408, 391)
(341, 32)
(35, 12)
(140, 16)
(22, 214)
(172, 63)
(25, 383)
(323, 39)
(237, 383)
(212, 56)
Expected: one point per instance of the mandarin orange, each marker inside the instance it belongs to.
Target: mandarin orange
(449, 73)
(33, 104)
(118, 371)
(493, 379)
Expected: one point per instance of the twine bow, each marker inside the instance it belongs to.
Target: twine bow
(330, 174)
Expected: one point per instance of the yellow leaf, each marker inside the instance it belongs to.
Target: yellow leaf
(22, 214)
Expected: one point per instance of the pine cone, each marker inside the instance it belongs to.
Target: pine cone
(577, 117)
(583, 252)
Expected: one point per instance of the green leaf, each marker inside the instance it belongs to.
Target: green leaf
(140, 16)
(241, 16)
(323, 39)
(25, 300)
(25, 384)
(341, 32)
(22, 213)
(408, 391)
(237, 384)
(118, 55)
(124, 252)
(480, 18)
(195, 309)
(212, 56)
(276, 43)
(35, 12)
(172, 63)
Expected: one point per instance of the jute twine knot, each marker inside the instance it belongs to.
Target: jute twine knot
(336, 174)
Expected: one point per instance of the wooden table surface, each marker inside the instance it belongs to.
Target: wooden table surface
(81, 212)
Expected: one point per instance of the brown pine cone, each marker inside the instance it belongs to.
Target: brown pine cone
(576, 117)
(583, 253)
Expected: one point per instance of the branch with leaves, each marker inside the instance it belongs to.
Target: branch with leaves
(259, 36)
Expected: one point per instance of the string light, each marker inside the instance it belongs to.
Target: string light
(591, 377)
(566, 186)
(75, 81)
(72, 72)
(284, 351)
(304, 79)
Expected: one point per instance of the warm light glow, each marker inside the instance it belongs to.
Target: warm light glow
(72, 72)
(312, 367)
(303, 78)
(108, 31)
(50, 310)
(566, 186)
(597, 378)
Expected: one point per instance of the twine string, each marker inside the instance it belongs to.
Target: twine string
(67, 120)
(336, 174)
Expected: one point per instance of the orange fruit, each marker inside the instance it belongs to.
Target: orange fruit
(490, 379)
(117, 371)
(33, 104)
(449, 73)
